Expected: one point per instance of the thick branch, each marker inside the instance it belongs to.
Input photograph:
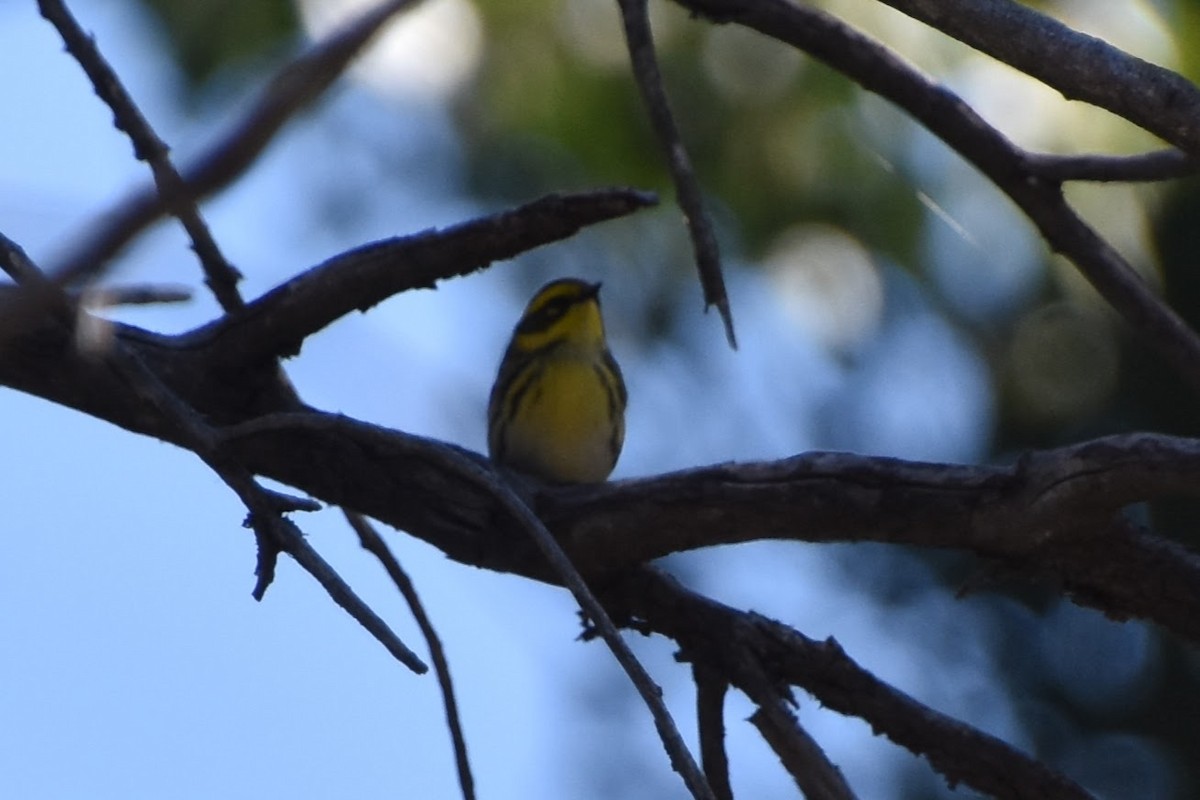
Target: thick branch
(1082, 67)
(279, 321)
(747, 647)
(1054, 513)
(1002, 512)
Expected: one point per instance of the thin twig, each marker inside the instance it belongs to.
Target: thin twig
(651, 693)
(373, 543)
(800, 754)
(878, 70)
(220, 275)
(501, 492)
(711, 688)
(640, 42)
(294, 87)
(1160, 165)
(273, 530)
(135, 295)
(681, 759)
(19, 266)
(36, 295)
(763, 651)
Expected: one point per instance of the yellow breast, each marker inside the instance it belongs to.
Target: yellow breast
(567, 427)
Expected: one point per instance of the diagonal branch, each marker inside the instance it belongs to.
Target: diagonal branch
(711, 689)
(373, 543)
(878, 70)
(136, 385)
(640, 42)
(800, 754)
(231, 154)
(273, 531)
(220, 275)
(278, 322)
(750, 648)
(1082, 67)
(566, 572)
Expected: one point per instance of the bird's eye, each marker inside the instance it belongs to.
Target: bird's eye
(555, 310)
(544, 317)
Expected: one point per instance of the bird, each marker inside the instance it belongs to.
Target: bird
(557, 409)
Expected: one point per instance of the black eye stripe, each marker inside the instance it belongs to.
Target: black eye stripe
(546, 316)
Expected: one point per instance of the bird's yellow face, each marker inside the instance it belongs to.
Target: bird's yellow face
(557, 409)
(565, 312)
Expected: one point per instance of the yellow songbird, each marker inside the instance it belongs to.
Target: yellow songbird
(557, 409)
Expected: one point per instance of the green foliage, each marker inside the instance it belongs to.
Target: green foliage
(208, 35)
(773, 135)
(1186, 25)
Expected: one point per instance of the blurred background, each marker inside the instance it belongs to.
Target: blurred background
(888, 301)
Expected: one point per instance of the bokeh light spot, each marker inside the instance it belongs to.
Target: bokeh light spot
(828, 284)
(425, 53)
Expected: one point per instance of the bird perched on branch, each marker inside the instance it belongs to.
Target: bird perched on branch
(557, 409)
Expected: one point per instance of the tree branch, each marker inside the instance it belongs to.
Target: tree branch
(749, 648)
(1159, 165)
(220, 276)
(800, 754)
(710, 722)
(294, 87)
(640, 42)
(274, 532)
(1082, 67)
(878, 70)
(278, 322)
(132, 295)
(373, 543)
(136, 387)
(559, 563)
(1055, 513)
